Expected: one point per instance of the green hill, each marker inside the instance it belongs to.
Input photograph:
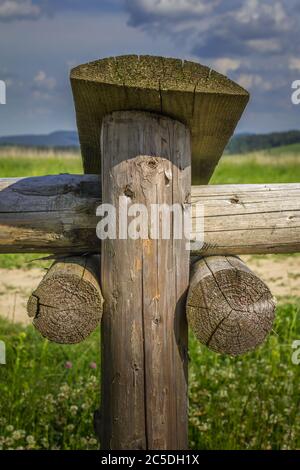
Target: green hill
(288, 150)
(254, 142)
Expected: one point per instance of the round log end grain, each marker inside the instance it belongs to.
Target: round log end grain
(229, 308)
(67, 305)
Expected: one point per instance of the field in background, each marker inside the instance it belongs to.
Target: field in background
(49, 392)
(17, 162)
(280, 165)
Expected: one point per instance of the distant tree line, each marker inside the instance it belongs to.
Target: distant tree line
(249, 143)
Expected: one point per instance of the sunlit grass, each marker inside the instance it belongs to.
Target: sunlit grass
(259, 167)
(285, 150)
(17, 162)
(249, 402)
(44, 404)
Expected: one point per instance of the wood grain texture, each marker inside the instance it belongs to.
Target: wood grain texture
(67, 305)
(49, 214)
(207, 102)
(57, 214)
(144, 333)
(229, 308)
(248, 219)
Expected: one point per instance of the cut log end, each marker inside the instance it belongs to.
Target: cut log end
(67, 305)
(229, 308)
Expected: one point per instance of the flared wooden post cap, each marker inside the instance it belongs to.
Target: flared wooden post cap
(207, 102)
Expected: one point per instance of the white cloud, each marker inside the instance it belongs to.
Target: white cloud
(225, 64)
(265, 45)
(43, 82)
(217, 28)
(18, 9)
(254, 11)
(176, 7)
(250, 81)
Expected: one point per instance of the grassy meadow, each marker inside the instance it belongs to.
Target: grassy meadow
(49, 392)
(260, 168)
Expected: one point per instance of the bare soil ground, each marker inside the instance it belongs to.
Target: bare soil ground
(282, 275)
(15, 287)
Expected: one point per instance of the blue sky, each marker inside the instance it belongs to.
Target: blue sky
(256, 43)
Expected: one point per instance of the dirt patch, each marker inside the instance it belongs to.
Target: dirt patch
(16, 285)
(281, 274)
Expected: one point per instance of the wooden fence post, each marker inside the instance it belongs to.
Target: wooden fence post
(146, 158)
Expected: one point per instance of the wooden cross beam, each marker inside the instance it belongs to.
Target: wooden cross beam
(57, 214)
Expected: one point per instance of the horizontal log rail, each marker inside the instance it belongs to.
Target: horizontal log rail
(57, 214)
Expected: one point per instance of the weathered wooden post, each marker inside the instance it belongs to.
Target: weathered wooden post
(146, 157)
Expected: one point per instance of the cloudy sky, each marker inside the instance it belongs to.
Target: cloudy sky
(256, 43)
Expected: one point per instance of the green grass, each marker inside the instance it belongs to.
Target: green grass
(258, 168)
(293, 149)
(43, 404)
(17, 165)
(23, 261)
(251, 402)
